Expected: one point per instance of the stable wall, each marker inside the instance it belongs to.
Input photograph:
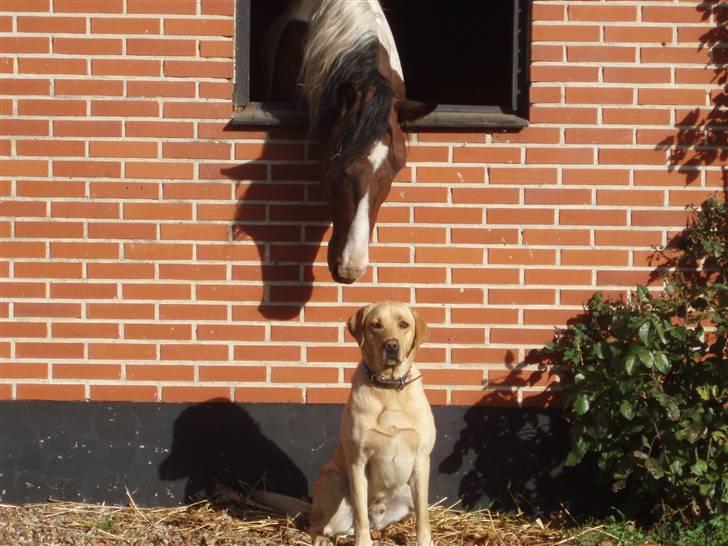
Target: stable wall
(149, 253)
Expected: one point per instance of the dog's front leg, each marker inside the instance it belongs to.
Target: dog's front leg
(359, 493)
(420, 492)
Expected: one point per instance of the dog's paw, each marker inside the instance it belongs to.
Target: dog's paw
(364, 540)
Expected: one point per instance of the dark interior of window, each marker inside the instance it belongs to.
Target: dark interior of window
(454, 52)
(460, 55)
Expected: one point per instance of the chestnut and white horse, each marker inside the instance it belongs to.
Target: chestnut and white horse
(352, 80)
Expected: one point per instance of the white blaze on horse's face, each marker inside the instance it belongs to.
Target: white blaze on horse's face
(355, 256)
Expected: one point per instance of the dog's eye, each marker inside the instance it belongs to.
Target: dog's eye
(376, 325)
(404, 325)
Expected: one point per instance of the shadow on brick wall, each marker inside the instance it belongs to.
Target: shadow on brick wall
(701, 138)
(221, 451)
(287, 218)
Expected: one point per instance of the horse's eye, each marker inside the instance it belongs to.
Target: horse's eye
(404, 325)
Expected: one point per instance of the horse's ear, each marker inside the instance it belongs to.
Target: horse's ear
(410, 110)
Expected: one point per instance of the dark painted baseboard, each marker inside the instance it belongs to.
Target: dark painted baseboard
(166, 454)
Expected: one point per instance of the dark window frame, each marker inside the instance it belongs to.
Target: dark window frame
(451, 116)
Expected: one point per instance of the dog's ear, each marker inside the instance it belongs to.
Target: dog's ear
(356, 324)
(421, 331)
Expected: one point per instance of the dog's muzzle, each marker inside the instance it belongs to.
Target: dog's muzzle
(391, 352)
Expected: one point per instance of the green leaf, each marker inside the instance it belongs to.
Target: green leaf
(645, 357)
(629, 364)
(644, 333)
(654, 468)
(699, 467)
(581, 405)
(662, 363)
(626, 409)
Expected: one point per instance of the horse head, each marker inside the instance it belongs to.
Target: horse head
(352, 79)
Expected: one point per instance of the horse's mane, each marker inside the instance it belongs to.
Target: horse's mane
(340, 74)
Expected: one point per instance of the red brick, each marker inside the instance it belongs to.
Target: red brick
(160, 47)
(196, 150)
(565, 33)
(25, 370)
(85, 210)
(38, 349)
(168, 311)
(560, 155)
(83, 290)
(488, 397)
(182, 7)
(198, 69)
(602, 53)
(124, 25)
(520, 216)
(87, 88)
(484, 315)
(87, 169)
(162, 129)
(593, 217)
(637, 34)
(448, 255)
(233, 332)
(126, 393)
(51, 107)
(602, 176)
(558, 277)
(37, 65)
(138, 88)
(122, 351)
(125, 108)
(194, 394)
(269, 395)
(50, 392)
(199, 27)
(521, 296)
(488, 195)
(598, 136)
(602, 13)
(22, 44)
(156, 291)
(124, 149)
(85, 330)
(120, 311)
(24, 86)
(555, 237)
(136, 230)
(160, 372)
(594, 257)
(84, 250)
(87, 46)
(450, 174)
(193, 352)
(87, 371)
(521, 256)
(50, 270)
(162, 170)
(87, 6)
(125, 67)
(520, 175)
(232, 374)
(86, 128)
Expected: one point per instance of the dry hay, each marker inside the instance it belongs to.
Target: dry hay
(241, 524)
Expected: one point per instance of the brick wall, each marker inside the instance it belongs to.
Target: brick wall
(123, 277)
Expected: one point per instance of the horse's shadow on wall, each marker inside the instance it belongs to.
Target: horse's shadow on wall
(221, 451)
(287, 217)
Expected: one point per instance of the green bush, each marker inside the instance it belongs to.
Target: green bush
(647, 380)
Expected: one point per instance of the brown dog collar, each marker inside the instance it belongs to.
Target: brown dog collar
(396, 384)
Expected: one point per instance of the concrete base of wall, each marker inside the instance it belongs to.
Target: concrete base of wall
(166, 454)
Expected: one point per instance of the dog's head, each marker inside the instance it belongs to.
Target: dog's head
(388, 333)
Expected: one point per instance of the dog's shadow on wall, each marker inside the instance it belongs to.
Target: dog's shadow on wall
(281, 209)
(220, 450)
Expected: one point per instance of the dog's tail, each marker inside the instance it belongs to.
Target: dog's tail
(281, 503)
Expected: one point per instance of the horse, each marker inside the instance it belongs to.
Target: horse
(352, 80)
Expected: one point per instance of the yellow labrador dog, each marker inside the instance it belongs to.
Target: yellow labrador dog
(380, 471)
